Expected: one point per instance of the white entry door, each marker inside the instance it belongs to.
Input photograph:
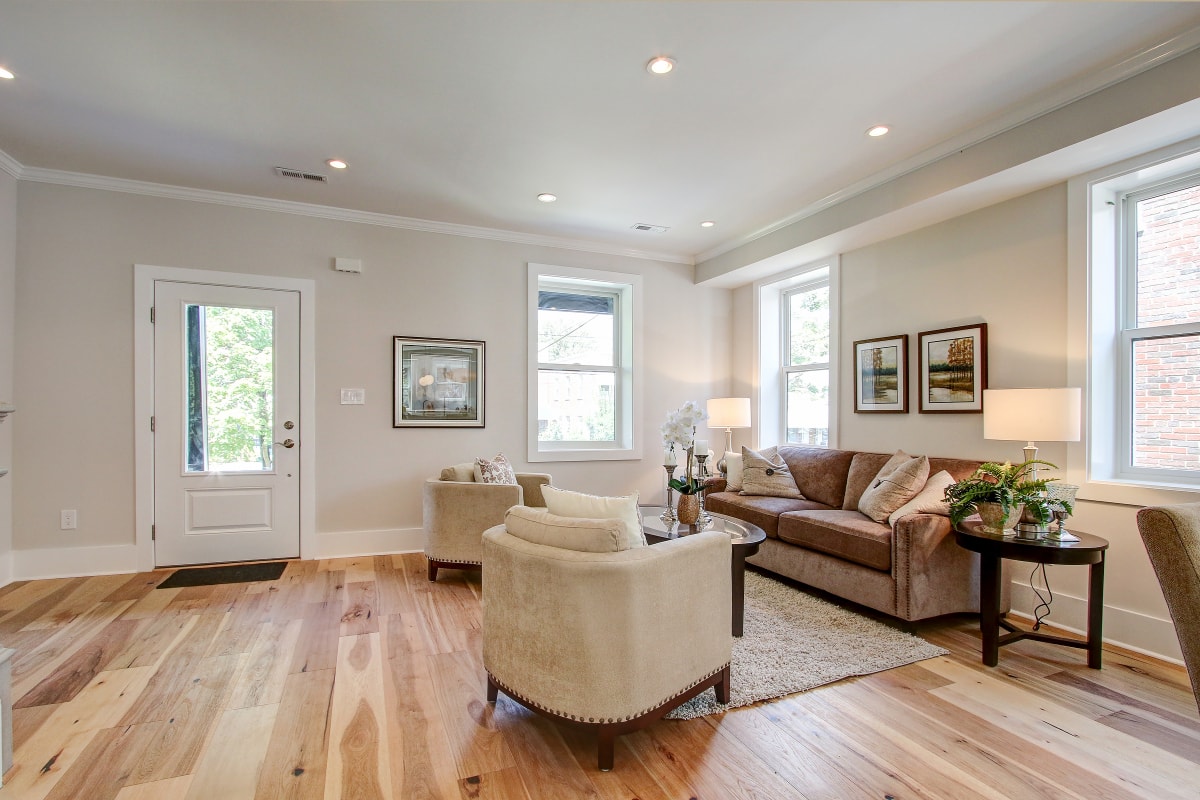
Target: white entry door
(226, 423)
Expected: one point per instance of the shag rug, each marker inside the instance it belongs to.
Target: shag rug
(794, 641)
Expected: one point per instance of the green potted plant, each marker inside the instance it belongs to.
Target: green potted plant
(999, 493)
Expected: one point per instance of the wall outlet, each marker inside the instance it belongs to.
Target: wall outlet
(68, 519)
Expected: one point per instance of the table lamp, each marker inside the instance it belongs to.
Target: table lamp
(1048, 415)
(728, 413)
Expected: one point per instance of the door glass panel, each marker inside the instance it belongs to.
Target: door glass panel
(230, 398)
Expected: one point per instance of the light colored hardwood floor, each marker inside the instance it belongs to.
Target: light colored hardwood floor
(358, 678)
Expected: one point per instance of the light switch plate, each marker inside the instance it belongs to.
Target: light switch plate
(347, 264)
(354, 397)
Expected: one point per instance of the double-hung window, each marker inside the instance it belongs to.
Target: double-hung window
(582, 364)
(806, 362)
(1159, 333)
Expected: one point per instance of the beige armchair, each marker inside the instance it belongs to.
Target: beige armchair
(612, 639)
(456, 512)
(1172, 538)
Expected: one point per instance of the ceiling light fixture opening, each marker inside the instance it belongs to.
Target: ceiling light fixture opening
(337, 163)
(660, 65)
(5, 74)
(546, 197)
(708, 223)
(878, 130)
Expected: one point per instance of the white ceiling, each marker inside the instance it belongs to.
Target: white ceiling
(463, 112)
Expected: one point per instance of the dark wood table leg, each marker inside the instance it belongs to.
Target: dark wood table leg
(737, 566)
(989, 608)
(1095, 636)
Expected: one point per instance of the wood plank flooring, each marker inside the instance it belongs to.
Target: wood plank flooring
(359, 678)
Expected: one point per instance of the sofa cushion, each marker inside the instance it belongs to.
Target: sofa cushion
(761, 511)
(581, 534)
(590, 506)
(893, 487)
(768, 477)
(863, 469)
(464, 473)
(848, 535)
(820, 473)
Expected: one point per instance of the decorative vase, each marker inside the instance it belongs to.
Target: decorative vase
(689, 508)
(994, 518)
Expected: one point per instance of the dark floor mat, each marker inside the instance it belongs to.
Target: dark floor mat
(233, 573)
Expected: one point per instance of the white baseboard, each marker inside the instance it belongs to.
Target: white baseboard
(1132, 630)
(347, 544)
(74, 562)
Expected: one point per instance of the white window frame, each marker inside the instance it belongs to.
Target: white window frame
(627, 369)
(815, 280)
(770, 378)
(1100, 293)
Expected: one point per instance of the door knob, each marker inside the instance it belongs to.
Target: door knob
(288, 443)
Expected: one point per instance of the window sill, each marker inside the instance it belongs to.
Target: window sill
(1135, 493)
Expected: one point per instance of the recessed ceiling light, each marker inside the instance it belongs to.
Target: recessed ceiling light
(660, 65)
(8, 76)
(546, 197)
(878, 130)
(708, 223)
(337, 163)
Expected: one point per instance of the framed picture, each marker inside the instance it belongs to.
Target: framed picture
(881, 375)
(952, 364)
(438, 383)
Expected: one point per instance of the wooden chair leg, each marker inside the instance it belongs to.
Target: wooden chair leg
(722, 687)
(605, 741)
(433, 571)
(492, 690)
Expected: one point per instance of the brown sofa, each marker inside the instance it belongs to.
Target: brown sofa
(913, 572)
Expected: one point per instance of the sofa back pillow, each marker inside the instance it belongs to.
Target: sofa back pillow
(894, 486)
(581, 534)
(767, 477)
(590, 506)
(820, 473)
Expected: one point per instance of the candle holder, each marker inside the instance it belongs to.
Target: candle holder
(702, 474)
(668, 514)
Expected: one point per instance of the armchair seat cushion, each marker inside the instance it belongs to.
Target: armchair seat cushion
(849, 535)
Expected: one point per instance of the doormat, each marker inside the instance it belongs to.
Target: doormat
(232, 573)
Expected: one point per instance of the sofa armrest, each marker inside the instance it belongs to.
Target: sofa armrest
(602, 636)
(456, 513)
(531, 486)
(714, 484)
(933, 574)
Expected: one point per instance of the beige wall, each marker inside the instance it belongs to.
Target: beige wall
(1004, 265)
(75, 365)
(8, 254)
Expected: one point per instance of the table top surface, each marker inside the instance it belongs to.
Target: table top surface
(740, 531)
(971, 535)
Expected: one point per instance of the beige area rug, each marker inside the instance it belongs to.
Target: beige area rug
(794, 641)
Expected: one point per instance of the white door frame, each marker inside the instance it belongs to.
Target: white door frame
(144, 277)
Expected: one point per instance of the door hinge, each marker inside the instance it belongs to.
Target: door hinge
(153, 534)
(151, 315)
(152, 424)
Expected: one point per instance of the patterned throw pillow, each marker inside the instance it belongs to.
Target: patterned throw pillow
(891, 490)
(498, 470)
(767, 477)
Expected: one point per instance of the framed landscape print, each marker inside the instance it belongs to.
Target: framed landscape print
(881, 375)
(438, 383)
(952, 368)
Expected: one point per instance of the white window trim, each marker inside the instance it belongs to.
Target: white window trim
(770, 424)
(1093, 228)
(628, 288)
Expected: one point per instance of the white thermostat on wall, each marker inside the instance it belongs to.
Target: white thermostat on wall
(347, 264)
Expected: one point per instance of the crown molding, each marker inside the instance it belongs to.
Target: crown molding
(1044, 104)
(10, 165)
(85, 181)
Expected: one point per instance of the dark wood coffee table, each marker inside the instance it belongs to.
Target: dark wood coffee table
(744, 536)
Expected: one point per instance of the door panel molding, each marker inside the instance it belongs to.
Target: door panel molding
(143, 405)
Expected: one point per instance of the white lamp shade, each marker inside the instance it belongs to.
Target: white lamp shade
(1032, 415)
(729, 412)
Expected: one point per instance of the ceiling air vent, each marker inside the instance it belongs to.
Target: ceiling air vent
(285, 172)
(641, 226)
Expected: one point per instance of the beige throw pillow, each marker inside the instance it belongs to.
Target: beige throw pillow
(734, 467)
(767, 477)
(498, 470)
(890, 490)
(539, 526)
(464, 473)
(930, 500)
(589, 506)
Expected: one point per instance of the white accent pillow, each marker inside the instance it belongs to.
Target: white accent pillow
(590, 506)
(890, 490)
(930, 500)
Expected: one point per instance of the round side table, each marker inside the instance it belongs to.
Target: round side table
(993, 547)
